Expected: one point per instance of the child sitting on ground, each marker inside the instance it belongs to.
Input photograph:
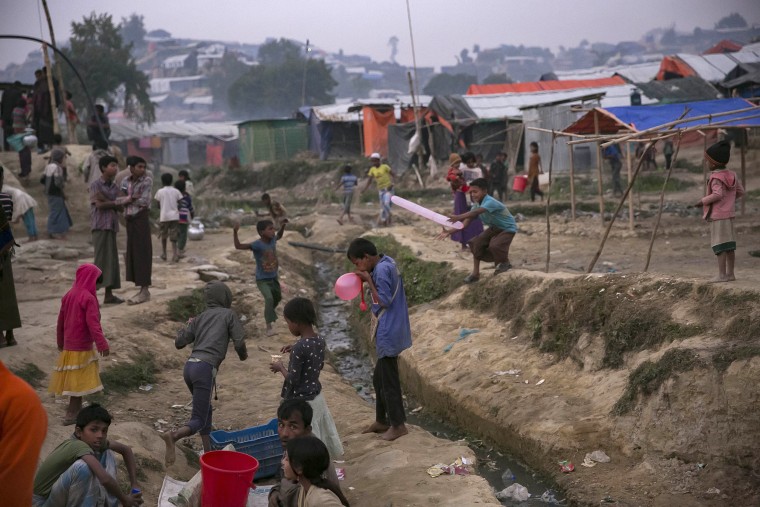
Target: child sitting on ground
(76, 372)
(307, 357)
(265, 254)
(305, 460)
(492, 245)
(81, 471)
(168, 199)
(209, 333)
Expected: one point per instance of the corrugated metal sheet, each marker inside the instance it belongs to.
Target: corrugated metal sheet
(125, 130)
(636, 73)
(269, 140)
(350, 111)
(713, 68)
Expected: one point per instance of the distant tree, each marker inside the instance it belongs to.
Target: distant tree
(584, 43)
(132, 30)
(497, 79)
(222, 76)
(278, 52)
(106, 64)
(669, 37)
(464, 56)
(476, 48)
(698, 32)
(733, 20)
(447, 84)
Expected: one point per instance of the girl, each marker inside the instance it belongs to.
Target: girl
(306, 460)
(307, 357)
(59, 220)
(76, 373)
(459, 188)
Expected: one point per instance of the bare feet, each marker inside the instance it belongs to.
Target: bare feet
(730, 278)
(170, 456)
(376, 427)
(271, 332)
(394, 432)
(720, 279)
(340, 221)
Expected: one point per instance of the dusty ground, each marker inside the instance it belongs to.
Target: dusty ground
(563, 418)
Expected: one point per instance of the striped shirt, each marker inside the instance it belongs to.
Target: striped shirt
(103, 219)
(348, 181)
(141, 192)
(6, 201)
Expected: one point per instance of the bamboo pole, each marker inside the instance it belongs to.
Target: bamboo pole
(58, 71)
(572, 182)
(599, 167)
(548, 206)
(662, 201)
(51, 89)
(745, 140)
(417, 130)
(630, 173)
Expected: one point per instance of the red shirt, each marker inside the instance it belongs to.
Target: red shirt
(79, 318)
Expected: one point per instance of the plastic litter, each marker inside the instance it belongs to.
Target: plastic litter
(713, 491)
(146, 387)
(588, 462)
(508, 477)
(341, 473)
(599, 457)
(463, 333)
(540, 382)
(548, 497)
(516, 492)
(459, 467)
(507, 372)
(566, 467)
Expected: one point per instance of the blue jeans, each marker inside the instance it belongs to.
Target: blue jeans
(199, 378)
(385, 203)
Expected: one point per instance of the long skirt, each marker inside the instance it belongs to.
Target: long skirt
(323, 426)
(76, 373)
(139, 256)
(722, 236)
(107, 258)
(476, 226)
(9, 315)
(59, 220)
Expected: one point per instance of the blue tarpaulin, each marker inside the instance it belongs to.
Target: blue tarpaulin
(638, 118)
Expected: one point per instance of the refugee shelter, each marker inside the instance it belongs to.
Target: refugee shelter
(272, 139)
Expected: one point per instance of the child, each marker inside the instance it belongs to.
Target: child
(307, 357)
(186, 213)
(383, 176)
(23, 209)
(534, 169)
(168, 199)
(392, 334)
(19, 127)
(76, 372)
(493, 244)
(275, 210)
(459, 188)
(210, 333)
(348, 181)
(265, 253)
(306, 460)
(718, 208)
(183, 175)
(81, 471)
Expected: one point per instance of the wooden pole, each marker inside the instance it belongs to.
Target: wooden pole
(51, 89)
(58, 71)
(599, 167)
(704, 163)
(662, 201)
(630, 174)
(572, 182)
(548, 206)
(417, 130)
(744, 167)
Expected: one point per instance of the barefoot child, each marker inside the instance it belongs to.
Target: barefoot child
(265, 253)
(81, 471)
(186, 213)
(307, 357)
(209, 333)
(168, 199)
(392, 334)
(492, 245)
(76, 371)
(306, 460)
(719, 208)
(348, 181)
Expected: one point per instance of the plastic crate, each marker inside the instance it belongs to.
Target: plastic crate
(261, 442)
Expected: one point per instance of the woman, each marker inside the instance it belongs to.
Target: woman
(460, 189)
(305, 461)
(59, 220)
(9, 316)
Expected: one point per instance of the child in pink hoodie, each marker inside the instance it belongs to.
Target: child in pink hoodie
(718, 208)
(76, 373)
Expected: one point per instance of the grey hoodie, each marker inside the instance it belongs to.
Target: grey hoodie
(211, 331)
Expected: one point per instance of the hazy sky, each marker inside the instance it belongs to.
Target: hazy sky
(441, 27)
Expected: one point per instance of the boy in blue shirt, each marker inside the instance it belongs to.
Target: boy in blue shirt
(492, 245)
(348, 181)
(391, 331)
(265, 254)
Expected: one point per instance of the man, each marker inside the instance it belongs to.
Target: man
(383, 177)
(612, 155)
(498, 173)
(104, 221)
(138, 186)
(92, 164)
(10, 100)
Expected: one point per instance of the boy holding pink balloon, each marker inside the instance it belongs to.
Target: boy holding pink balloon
(391, 333)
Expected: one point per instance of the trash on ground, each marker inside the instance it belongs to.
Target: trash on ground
(508, 477)
(507, 372)
(416, 410)
(459, 467)
(548, 497)
(598, 456)
(515, 492)
(588, 462)
(540, 382)
(341, 473)
(713, 491)
(566, 467)
(463, 333)
(146, 387)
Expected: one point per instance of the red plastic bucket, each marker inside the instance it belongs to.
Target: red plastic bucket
(226, 477)
(520, 183)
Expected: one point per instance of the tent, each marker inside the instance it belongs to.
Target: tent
(269, 140)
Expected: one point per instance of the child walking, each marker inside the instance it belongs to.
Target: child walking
(82, 470)
(265, 254)
(168, 199)
(76, 371)
(306, 460)
(348, 181)
(210, 334)
(492, 245)
(718, 208)
(391, 332)
(307, 357)
(186, 213)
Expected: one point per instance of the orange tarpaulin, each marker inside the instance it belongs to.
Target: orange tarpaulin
(541, 86)
(376, 130)
(407, 114)
(674, 67)
(214, 155)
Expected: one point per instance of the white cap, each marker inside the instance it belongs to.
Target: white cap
(375, 155)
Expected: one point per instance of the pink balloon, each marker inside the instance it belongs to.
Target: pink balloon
(348, 286)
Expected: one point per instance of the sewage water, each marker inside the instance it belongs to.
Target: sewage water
(349, 356)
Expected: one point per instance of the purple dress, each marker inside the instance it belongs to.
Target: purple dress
(476, 226)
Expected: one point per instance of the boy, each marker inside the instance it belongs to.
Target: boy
(186, 213)
(392, 334)
(498, 173)
(275, 210)
(719, 208)
(81, 471)
(492, 245)
(265, 254)
(534, 169)
(168, 198)
(383, 176)
(348, 181)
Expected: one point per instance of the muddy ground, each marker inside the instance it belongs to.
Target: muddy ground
(703, 416)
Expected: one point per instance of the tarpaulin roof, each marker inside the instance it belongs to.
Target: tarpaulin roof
(539, 86)
(712, 68)
(125, 130)
(638, 118)
(350, 111)
(686, 89)
(634, 73)
(724, 46)
(453, 109)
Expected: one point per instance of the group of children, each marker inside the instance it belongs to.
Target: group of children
(176, 207)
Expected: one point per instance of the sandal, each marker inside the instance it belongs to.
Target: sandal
(471, 279)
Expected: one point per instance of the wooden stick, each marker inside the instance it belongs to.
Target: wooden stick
(599, 168)
(51, 89)
(662, 201)
(548, 205)
(61, 88)
(630, 173)
(572, 182)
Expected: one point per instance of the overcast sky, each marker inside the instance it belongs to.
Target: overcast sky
(441, 27)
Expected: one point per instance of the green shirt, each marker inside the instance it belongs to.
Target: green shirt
(57, 463)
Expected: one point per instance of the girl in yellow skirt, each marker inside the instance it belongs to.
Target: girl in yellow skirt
(76, 373)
